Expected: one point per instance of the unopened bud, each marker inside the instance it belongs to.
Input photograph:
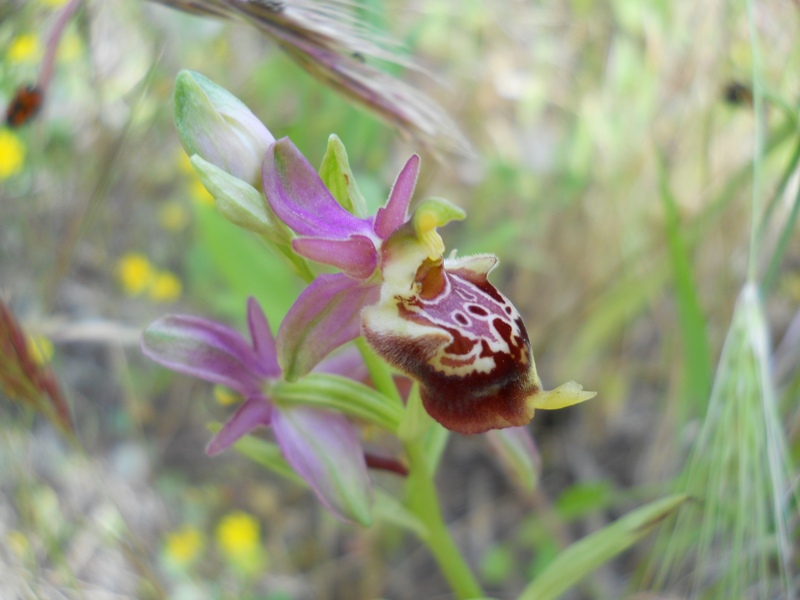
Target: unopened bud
(217, 126)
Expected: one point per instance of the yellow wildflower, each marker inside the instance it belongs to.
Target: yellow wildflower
(238, 534)
(224, 396)
(24, 48)
(164, 287)
(184, 163)
(135, 273)
(238, 538)
(40, 349)
(70, 47)
(197, 191)
(200, 194)
(18, 543)
(184, 545)
(54, 3)
(12, 154)
(172, 216)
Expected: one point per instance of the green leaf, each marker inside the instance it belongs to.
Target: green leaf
(694, 341)
(434, 442)
(497, 564)
(583, 499)
(244, 206)
(379, 371)
(628, 294)
(515, 450)
(584, 556)
(788, 226)
(338, 178)
(240, 202)
(342, 395)
(243, 265)
(388, 509)
(416, 421)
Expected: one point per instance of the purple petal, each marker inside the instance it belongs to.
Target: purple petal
(263, 342)
(356, 256)
(324, 450)
(393, 215)
(255, 412)
(204, 349)
(347, 363)
(325, 316)
(300, 199)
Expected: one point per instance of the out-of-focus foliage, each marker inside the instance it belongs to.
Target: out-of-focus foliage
(614, 182)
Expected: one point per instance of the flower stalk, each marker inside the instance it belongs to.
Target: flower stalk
(423, 501)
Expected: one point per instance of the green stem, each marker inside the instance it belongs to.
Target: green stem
(424, 503)
(379, 372)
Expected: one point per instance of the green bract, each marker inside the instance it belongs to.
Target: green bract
(338, 178)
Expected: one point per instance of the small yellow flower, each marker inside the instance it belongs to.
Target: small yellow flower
(135, 273)
(184, 163)
(790, 286)
(164, 287)
(238, 538)
(224, 396)
(172, 216)
(70, 47)
(12, 154)
(197, 191)
(54, 3)
(200, 194)
(184, 545)
(24, 48)
(238, 534)
(40, 349)
(18, 543)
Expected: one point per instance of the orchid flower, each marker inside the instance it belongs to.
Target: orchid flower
(322, 447)
(438, 320)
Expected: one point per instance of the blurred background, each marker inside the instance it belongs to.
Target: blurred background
(612, 174)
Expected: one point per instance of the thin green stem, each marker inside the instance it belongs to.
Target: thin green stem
(758, 141)
(424, 503)
(379, 372)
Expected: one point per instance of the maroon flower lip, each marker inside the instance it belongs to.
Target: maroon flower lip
(473, 363)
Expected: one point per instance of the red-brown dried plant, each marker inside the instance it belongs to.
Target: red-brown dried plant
(24, 380)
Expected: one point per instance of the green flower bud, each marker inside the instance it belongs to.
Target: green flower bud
(217, 126)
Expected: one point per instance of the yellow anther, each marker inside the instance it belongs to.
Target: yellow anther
(429, 215)
(428, 221)
(433, 242)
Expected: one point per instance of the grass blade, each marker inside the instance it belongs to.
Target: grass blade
(584, 556)
(692, 324)
(734, 543)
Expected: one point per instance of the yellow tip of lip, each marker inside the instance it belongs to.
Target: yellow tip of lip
(564, 395)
